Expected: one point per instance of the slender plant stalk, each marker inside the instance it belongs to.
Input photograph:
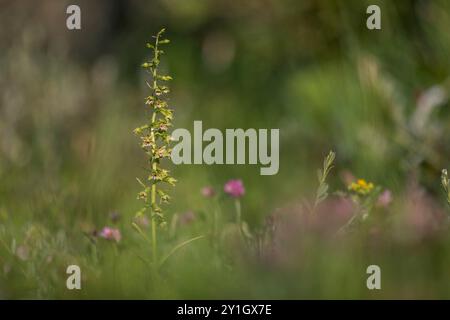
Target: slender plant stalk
(153, 194)
(216, 219)
(154, 246)
(176, 248)
(237, 204)
(155, 141)
(445, 183)
(322, 190)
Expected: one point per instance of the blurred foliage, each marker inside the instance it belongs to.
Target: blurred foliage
(69, 101)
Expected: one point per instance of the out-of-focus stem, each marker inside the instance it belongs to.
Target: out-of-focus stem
(237, 203)
(154, 164)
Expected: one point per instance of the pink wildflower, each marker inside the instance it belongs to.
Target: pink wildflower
(208, 192)
(234, 188)
(384, 199)
(111, 234)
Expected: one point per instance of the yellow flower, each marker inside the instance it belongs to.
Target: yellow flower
(361, 187)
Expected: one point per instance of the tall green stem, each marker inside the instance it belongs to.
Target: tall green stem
(153, 218)
(237, 203)
(154, 252)
(153, 203)
(215, 222)
(155, 140)
(153, 192)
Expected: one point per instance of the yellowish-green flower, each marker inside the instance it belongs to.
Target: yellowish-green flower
(361, 187)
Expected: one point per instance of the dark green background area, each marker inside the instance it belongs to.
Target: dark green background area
(69, 101)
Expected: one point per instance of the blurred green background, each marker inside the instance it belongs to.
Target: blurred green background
(69, 101)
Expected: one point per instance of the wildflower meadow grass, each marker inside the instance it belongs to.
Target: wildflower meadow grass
(359, 149)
